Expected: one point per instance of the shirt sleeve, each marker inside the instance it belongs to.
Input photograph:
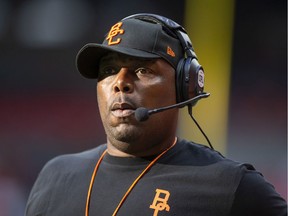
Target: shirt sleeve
(40, 194)
(256, 196)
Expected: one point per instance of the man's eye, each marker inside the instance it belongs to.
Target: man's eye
(143, 71)
(106, 71)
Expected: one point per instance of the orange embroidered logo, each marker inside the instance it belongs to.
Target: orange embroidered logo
(170, 52)
(114, 31)
(160, 201)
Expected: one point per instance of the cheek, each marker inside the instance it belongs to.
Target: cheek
(164, 92)
(101, 97)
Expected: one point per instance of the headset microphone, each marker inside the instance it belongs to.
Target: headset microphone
(142, 113)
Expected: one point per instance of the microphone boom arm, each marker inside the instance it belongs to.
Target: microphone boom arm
(184, 103)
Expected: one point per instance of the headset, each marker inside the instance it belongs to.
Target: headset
(187, 88)
(187, 66)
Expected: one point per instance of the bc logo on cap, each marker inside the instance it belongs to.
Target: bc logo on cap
(114, 31)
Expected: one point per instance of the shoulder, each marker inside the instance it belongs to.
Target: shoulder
(75, 159)
(69, 164)
(200, 155)
(207, 163)
(253, 194)
(256, 196)
(59, 175)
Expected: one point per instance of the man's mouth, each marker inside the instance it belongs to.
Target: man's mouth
(122, 110)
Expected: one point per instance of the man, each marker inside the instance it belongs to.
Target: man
(148, 61)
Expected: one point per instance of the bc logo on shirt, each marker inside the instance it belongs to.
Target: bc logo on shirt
(160, 201)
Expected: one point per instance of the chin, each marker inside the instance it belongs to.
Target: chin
(125, 133)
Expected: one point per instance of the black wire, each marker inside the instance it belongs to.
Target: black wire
(206, 137)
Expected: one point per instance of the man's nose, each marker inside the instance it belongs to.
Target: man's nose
(124, 81)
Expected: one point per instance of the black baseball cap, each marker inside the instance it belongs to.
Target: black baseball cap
(133, 37)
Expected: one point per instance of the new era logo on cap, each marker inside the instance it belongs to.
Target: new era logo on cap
(170, 52)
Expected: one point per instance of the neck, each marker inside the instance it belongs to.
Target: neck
(122, 149)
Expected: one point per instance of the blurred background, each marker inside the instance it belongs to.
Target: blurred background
(47, 108)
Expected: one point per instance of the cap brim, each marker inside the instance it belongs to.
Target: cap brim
(88, 58)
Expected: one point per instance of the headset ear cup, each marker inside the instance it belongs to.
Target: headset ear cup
(186, 88)
(198, 73)
(196, 84)
(179, 81)
(187, 79)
